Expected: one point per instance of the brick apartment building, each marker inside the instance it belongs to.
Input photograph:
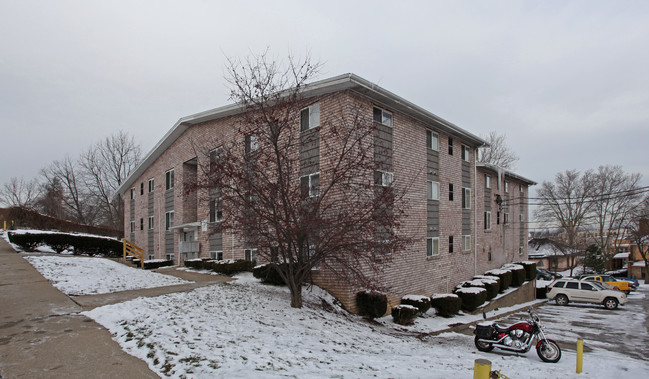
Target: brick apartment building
(467, 217)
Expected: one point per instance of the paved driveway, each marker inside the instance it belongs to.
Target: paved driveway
(624, 330)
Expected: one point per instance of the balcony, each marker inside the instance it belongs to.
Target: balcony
(189, 247)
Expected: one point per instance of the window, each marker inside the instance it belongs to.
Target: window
(169, 257)
(151, 185)
(450, 192)
(383, 178)
(520, 218)
(487, 181)
(506, 186)
(432, 190)
(466, 198)
(506, 218)
(132, 193)
(487, 220)
(432, 246)
(587, 287)
(150, 222)
(216, 210)
(132, 226)
(142, 188)
(151, 257)
(466, 153)
(169, 179)
(169, 220)
(521, 189)
(141, 224)
(432, 140)
(450, 146)
(520, 250)
(310, 185)
(466, 242)
(383, 117)
(450, 244)
(252, 143)
(572, 285)
(218, 255)
(497, 218)
(250, 254)
(310, 117)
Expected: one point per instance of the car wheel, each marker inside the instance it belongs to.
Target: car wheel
(610, 303)
(561, 300)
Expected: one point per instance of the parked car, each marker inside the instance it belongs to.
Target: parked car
(564, 291)
(632, 282)
(544, 274)
(622, 285)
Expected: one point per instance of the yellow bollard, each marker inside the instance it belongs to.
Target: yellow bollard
(580, 355)
(481, 369)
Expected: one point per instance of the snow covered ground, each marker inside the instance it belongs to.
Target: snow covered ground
(74, 275)
(245, 329)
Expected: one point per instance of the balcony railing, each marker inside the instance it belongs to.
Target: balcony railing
(189, 247)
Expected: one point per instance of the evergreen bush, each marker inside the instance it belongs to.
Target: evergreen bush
(446, 304)
(421, 302)
(268, 274)
(518, 274)
(530, 269)
(404, 314)
(153, 264)
(371, 303)
(472, 297)
(491, 284)
(505, 277)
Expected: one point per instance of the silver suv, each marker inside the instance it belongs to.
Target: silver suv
(563, 291)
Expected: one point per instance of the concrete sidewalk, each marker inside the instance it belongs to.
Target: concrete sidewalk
(43, 336)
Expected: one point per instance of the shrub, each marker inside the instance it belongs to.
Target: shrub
(530, 269)
(518, 274)
(404, 314)
(541, 292)
(446, 304)
(195, 263)
(81, 244)
(26, 241)
(472, 297)
(268, 274)
(157, 263)
(505, 277)
(228, 267)
(421, 302)
(491, 284)
(371, 303)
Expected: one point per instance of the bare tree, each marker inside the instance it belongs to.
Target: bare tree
(497, 153)
(616, 195)
(19, 192)
(565, 204)
(77, 205)
(50, 202)
(105, 166)
(638, 230)
(298, 219)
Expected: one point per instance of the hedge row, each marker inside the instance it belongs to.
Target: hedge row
(268, 274)
(60, 242)
(228, 267)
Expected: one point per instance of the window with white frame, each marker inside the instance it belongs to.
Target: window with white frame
(150, 222)
(432, 140)
(487, 220)
(218, 255)
(432, 246)
(151, 256)
(250, 254)
(382, 117)
(151, 185)
(310, 117)
(132, 226)
(169, 220)
(169, 180)
(506, 186)
(487, 181)
(521, 218)
(466, 153)
(383, 178)
(520, 250)
(169, 257)
(252, 143)
(506, 218)
(466, 198)
(310, 185)
(432, 190)
(216, 210)
(466, 242)
(521, 189)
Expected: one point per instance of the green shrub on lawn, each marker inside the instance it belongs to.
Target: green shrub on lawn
(505, 277)
(404, 314)
(446, 304)
(80, 244)
(371, 303)
(268, 274)
(421, 302)
(472, 297)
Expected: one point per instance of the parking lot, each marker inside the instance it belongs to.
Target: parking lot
(624, 330)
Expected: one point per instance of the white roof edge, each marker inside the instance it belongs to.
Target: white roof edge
(330, 85)
(506, 172)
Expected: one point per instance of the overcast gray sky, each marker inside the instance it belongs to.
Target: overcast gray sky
(566, 81)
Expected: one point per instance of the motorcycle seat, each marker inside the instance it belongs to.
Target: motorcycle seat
(500, 328)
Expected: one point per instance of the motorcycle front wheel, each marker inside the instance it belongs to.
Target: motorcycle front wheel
(548, 351)
(483, 346)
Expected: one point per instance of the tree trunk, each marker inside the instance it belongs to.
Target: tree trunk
(296, 294)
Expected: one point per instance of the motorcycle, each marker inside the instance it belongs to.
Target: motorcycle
(518, 338)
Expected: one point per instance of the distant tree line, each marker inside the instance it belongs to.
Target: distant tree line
(80, 190)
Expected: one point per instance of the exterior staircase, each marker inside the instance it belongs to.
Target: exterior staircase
(133, 251)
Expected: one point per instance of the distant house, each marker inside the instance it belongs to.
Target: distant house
(548, 256)
(628, 256)
(467, 217)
